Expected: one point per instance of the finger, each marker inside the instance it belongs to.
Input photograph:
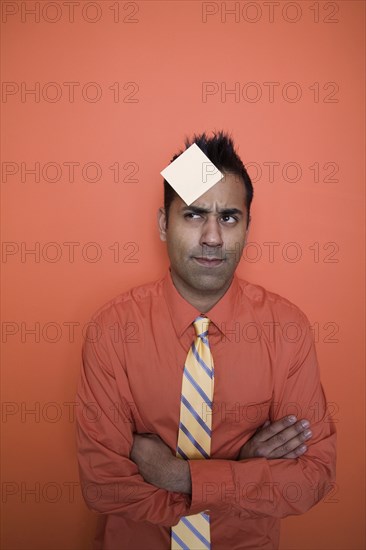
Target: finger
(299, 451)
(275, 428)
(281, 437)
(267, 423)
(288, 445)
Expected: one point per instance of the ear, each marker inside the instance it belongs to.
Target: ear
(162, 223)
(247, 231)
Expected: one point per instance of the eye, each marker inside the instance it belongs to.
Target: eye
(229, 219)
(191, 216)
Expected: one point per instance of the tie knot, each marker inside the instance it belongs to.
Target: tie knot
(201, 326)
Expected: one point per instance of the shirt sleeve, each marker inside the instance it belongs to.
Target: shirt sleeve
(258, 487)
(110, 481)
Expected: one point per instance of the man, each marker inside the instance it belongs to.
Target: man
(166, 463)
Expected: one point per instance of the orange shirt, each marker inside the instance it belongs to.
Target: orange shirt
(265, 368)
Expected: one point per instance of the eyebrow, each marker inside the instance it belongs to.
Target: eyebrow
(200, 210)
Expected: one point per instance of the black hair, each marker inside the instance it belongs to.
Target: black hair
(221, 152)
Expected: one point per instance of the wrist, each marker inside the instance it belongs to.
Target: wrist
(180, 476)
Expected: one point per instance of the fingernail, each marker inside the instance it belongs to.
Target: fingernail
(291, 418)
(303, 448)
(308, 433)
(305, 423)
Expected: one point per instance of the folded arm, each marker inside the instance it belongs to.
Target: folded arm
(279, 487)
(110, 480)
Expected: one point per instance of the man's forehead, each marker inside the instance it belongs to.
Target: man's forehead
(218, 198)
(212, 205)
(192, 174)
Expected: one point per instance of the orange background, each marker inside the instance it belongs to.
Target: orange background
(168, 51)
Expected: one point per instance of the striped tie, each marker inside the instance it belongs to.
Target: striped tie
(194, 437)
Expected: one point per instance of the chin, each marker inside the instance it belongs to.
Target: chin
(210, 282)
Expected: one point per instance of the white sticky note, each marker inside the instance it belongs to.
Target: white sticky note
(191, 174)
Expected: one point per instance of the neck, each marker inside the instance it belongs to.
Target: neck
(202, 302)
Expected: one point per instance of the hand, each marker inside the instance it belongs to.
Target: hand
(153, 458)
(281, 439)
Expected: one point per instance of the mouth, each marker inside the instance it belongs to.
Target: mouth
(209, 262)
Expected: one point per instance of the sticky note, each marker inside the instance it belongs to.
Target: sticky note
(191, 174)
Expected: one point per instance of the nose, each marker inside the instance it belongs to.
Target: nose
(211, 233)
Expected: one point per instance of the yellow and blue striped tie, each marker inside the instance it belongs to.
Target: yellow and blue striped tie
(194, 437)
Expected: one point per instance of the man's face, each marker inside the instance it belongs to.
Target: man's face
(205, 240)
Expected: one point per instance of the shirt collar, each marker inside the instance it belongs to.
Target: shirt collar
(183, 313)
